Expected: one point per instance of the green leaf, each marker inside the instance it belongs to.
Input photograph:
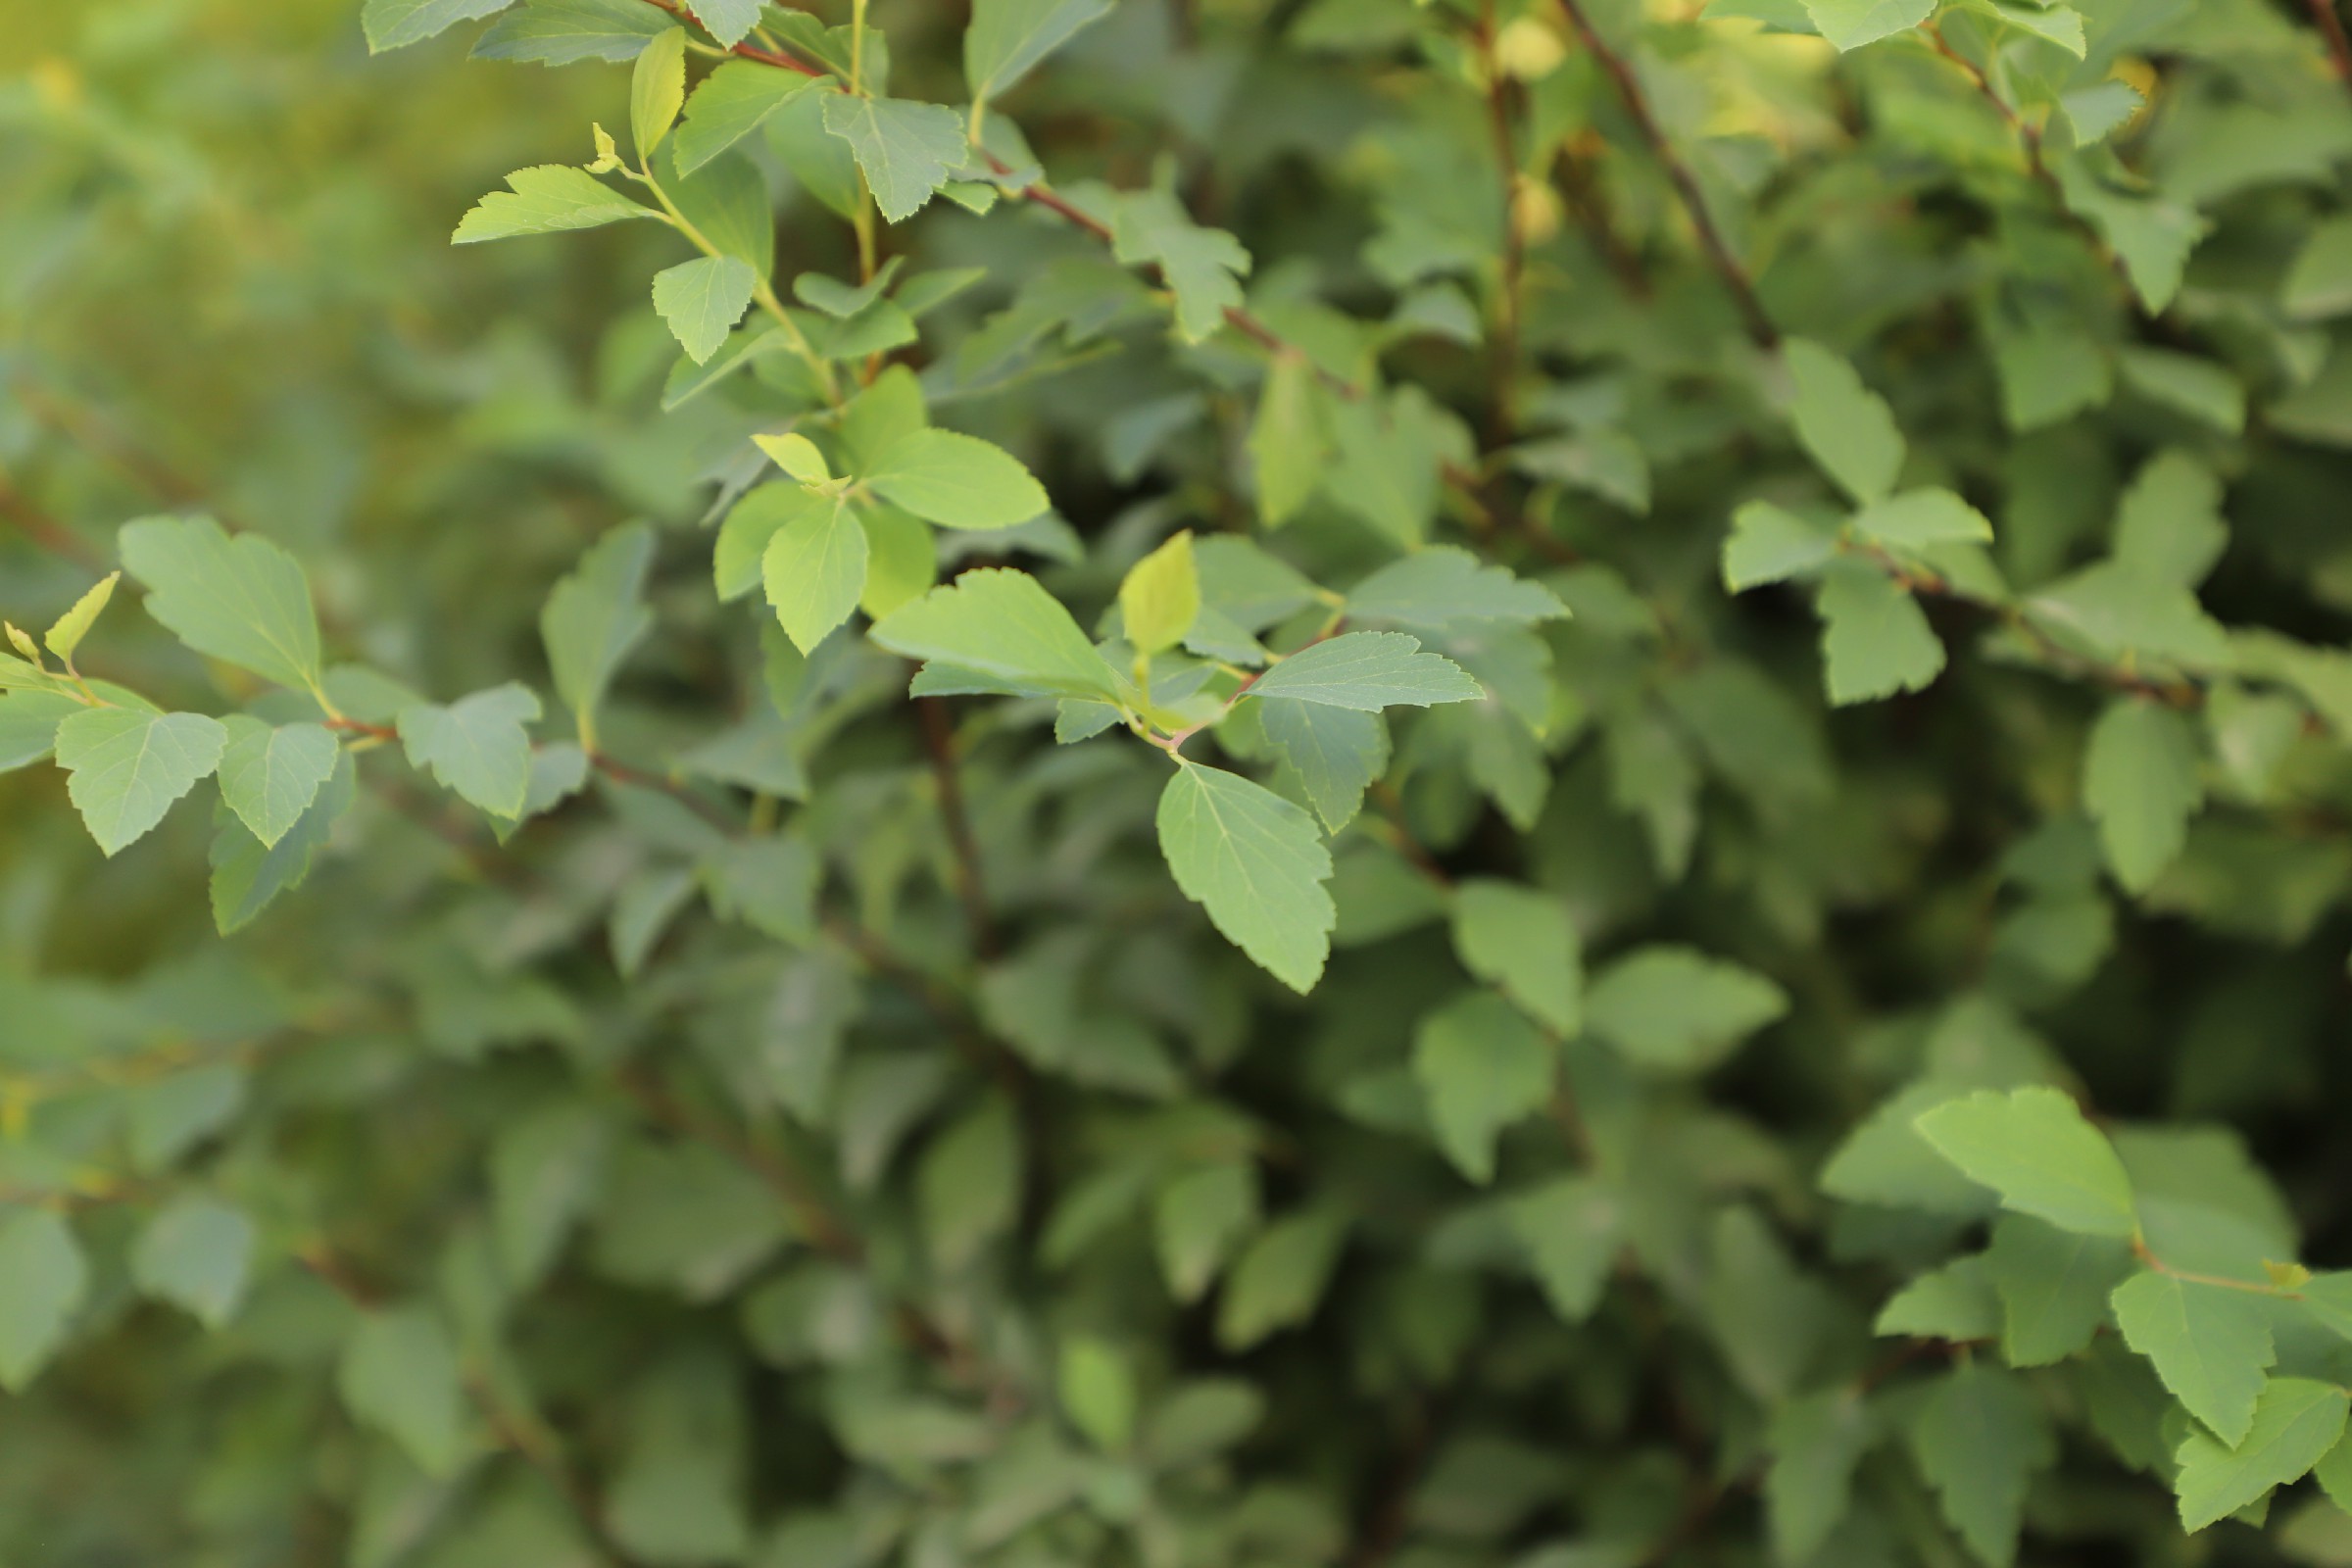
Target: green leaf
(1198, 1219)
(1816, 1442)
(1979, 1437)
(733, 101)
(1875, 640)
(547, 198)
(702, 300)
(902, 560)
(399, 1374)
(592, 617)
(2129, 613)
(1334, 754)
(1160, 597)
(2053, 1287)
(1290, 440)
(42, 1280)
(907, 149)
(1447, 590)
(729, 20)
(1202, 267)
(956, 480)
(1953, 1303)
(1008, 37)
(2141, 785)
(1255, 862)
(66, 634)
(1919, 518)
(657, 90)
(1522, 940)
(1851, 23)
(1368, 670)
(2058, 24)
(393, 23)
(2209, 1344)
(970, 1183)
(475, 746)
(1278, 1282)
(2186, 384)
(814, 569)
(562, 32)
(2319, 285)
(1097, 1393)
(269, 776)
(243, 600)
(129, 767)
(2032, 1146)
(1481, 1066)
(28, 721)
(196, 1254)
(1001, 624)
(2169, 526)
(248, 873)
(543, 1171)
(727, 201)
(2297, 1422)
(1768, 544)
(1846, 427)
(1572, 1229)
(840, 301)
(1679, 1010)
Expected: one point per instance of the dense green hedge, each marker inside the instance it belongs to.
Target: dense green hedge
(1490, 784)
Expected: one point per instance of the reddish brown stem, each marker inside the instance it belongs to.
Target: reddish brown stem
(939, 739)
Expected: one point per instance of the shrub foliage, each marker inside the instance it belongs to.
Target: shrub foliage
(1487, 784)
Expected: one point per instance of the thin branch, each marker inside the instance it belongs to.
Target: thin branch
(939, 739)
(2332, 28)
(1503, 368)
(747, 50)
(1685, 185)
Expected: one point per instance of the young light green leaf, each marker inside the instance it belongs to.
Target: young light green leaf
(1001, 624)
(1161, 596)
(1257, 863)
(702, 300)
(1769, 543)
(2032, 1146)
(956, 480)
(1447, 590)
(127, 767)
(1008, 37)
(1097, 1393)
(1368, 670)
(1522, 940)
(42, 1280)
(547, 198)
(1481, 1066)
(1677, 1009)
(2209, 1344)
(243, 600)
(1333, 753)
(1875, 640)
(475, 746)
(592, 617)
(1979, 1437)
(196, 1254)
(1918, 518)
(74, 624)
(2140, 784)
(270, 774)
(399, 1374)
(815, 570)
(393, 23)
(1851, 23)
(907, 149)
(733, 101)
(796, 456)
(561, 33)
(657, 89)
(2297, 1422)
(1290, 440)
(1846, 427)
(248, 873)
